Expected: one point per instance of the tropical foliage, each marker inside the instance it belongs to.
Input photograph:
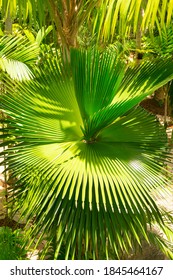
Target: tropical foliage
(105, 18)
(87, 159)
(126, 18)
(11, 244)
(17, 55)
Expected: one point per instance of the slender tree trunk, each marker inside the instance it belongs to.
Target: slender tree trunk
(66, 22)
(166, 110)
(8, 23)
(4, 182)
(8, 31)
(139, 38)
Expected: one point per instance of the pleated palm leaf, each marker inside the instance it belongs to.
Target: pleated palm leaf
(87, 159)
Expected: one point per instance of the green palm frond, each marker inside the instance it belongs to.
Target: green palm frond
(86, 158)
(108, 17)
(17, 55)
(124, 17)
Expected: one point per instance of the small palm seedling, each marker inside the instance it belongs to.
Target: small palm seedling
(87, 158)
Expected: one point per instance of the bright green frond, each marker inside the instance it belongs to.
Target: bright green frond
(87, 161)
(16, 56)
(126, 17)
(18, 49)
(96, 79)
(105, 91)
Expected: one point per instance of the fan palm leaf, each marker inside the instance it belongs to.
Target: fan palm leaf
(86, 158)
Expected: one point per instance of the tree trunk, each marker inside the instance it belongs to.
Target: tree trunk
(139, 39)
(8, 23)
(8, 31)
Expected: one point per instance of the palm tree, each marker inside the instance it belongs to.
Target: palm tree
(106, 17)
(67, 16)
(88, 160)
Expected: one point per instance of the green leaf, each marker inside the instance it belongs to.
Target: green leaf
(16, 56)
(87, 159)
(42, 33)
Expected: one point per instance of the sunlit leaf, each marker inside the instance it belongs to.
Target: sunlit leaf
(86, 157)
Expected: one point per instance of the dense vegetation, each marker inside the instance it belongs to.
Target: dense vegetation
(84, 163)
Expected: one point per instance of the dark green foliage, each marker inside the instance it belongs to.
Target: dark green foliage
(11, 244)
